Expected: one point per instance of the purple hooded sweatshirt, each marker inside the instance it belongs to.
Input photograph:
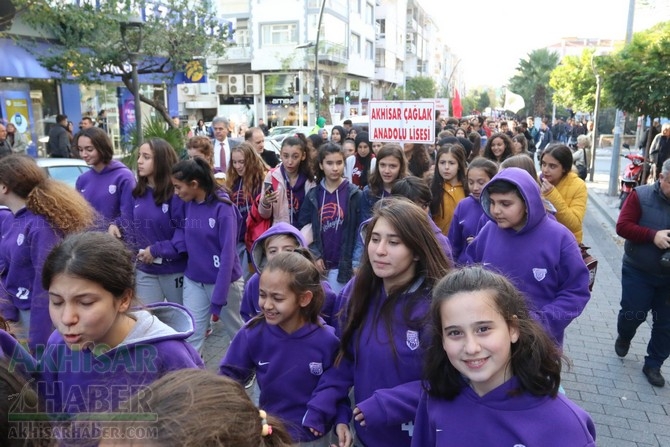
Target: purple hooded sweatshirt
(464, 225)
(210, 233)
(387, 386)
(24, 247)
(110, 193)
(79, 381)
(249, 307)
(502, 419)
(288, 368)
(542, 259)
(160, 228)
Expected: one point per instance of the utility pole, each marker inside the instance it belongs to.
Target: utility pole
(619, 120)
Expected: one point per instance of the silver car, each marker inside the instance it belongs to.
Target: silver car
(66, 170)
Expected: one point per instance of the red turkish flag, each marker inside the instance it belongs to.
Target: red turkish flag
(456, 105)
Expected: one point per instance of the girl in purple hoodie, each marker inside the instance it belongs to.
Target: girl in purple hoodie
(213, 277)
(158, 237)
(492, 373)
(381, 345)
(108, 185)
(43, 212)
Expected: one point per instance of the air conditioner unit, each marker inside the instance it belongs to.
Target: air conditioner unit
(189, 89)
(410, 37)
(252, 84)
(222, 89)
(236, 84)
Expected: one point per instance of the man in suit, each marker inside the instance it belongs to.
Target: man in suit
(222, 144)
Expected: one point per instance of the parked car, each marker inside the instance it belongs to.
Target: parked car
(280, 132)
(66, 170)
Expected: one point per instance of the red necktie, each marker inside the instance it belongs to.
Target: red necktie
(223, 156)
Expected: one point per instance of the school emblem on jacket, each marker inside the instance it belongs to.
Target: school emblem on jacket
(539, 274)
(212, 222)
(20, 239)
(316, 368)
(412, 340)
(112, 189)
(165, 207)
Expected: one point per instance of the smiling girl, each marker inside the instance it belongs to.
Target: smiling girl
(384, 310)
(391, 166)
(157, 234)
(108, 186)
(469, 211)
(498, 147)
(103, 351)
(449, 184)
(333, 210)
(287, 345)
(492, 374)
(294, 178)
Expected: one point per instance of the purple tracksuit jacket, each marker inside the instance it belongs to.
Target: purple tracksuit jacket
(288, 368)
(24, 247)
(161, 228)
(387, 387)
(110, 193)
(501, 419)
(542, 259)
(210, 233)
(464, 225)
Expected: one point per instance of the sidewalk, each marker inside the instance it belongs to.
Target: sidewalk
(626, 409)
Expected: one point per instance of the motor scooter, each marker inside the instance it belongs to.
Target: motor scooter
(631, 177)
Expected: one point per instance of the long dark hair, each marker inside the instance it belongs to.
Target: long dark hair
(325, 150)
(165, 158)
(413, 228)
(305, 167)
(375, 181)
(199, 170)
(437, 185)
(535, 359)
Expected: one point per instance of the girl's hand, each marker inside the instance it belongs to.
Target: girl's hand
(144, 255)
(318, 434)
(114, 231)
(359, 416)
(546, 186)
(269, 199)
(469, 239)
(321, 267)
(343, 436)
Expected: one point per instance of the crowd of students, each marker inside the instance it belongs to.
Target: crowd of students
(358, 309)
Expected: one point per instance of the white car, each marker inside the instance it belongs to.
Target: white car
(66, 170)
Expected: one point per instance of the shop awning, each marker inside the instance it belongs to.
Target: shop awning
(19, 63)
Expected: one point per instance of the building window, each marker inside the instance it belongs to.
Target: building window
(355, 44)
(369, 50)
(380, 58)
(369, 14)
(279, 34)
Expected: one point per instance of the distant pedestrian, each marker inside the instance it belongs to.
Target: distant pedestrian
(17, 140)
(660, 148)
(58, 145)
(644, 222)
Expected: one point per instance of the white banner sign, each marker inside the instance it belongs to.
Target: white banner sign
(402, 121)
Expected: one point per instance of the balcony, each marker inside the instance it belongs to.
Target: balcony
(412, 25)
(237, 54)
(332, 53)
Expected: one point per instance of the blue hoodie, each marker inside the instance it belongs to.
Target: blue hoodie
(249, 307)
(110, 193)
(464, 225)
(542, 259)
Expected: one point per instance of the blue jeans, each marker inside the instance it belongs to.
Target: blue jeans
(641, 293)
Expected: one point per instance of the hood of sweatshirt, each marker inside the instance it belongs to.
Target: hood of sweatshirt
(258, 257)
(530, 193)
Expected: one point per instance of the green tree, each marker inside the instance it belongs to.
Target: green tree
(483, 101)
(532, 79)
(574, 82)
(637, 76)
(419, 87)
(91, 46)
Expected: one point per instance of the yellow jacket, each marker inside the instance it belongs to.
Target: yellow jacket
(452, 195)
(569, 198)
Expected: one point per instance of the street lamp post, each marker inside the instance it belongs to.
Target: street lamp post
(594, 135)
(317, 96)
(131, 35)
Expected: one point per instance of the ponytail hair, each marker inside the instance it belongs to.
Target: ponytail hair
(196, 408)
(199, 170)
(59, 203)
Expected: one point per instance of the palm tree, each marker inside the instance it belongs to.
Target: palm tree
(532, 79)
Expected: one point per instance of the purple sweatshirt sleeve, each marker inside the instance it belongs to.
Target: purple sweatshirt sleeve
(42, 242)
(249, 304)
(172, 248)
(126, 202)
(237, 363)
(228, 259)
(333, 387)
(392, 406)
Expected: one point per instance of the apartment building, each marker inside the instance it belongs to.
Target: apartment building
(367, 48)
